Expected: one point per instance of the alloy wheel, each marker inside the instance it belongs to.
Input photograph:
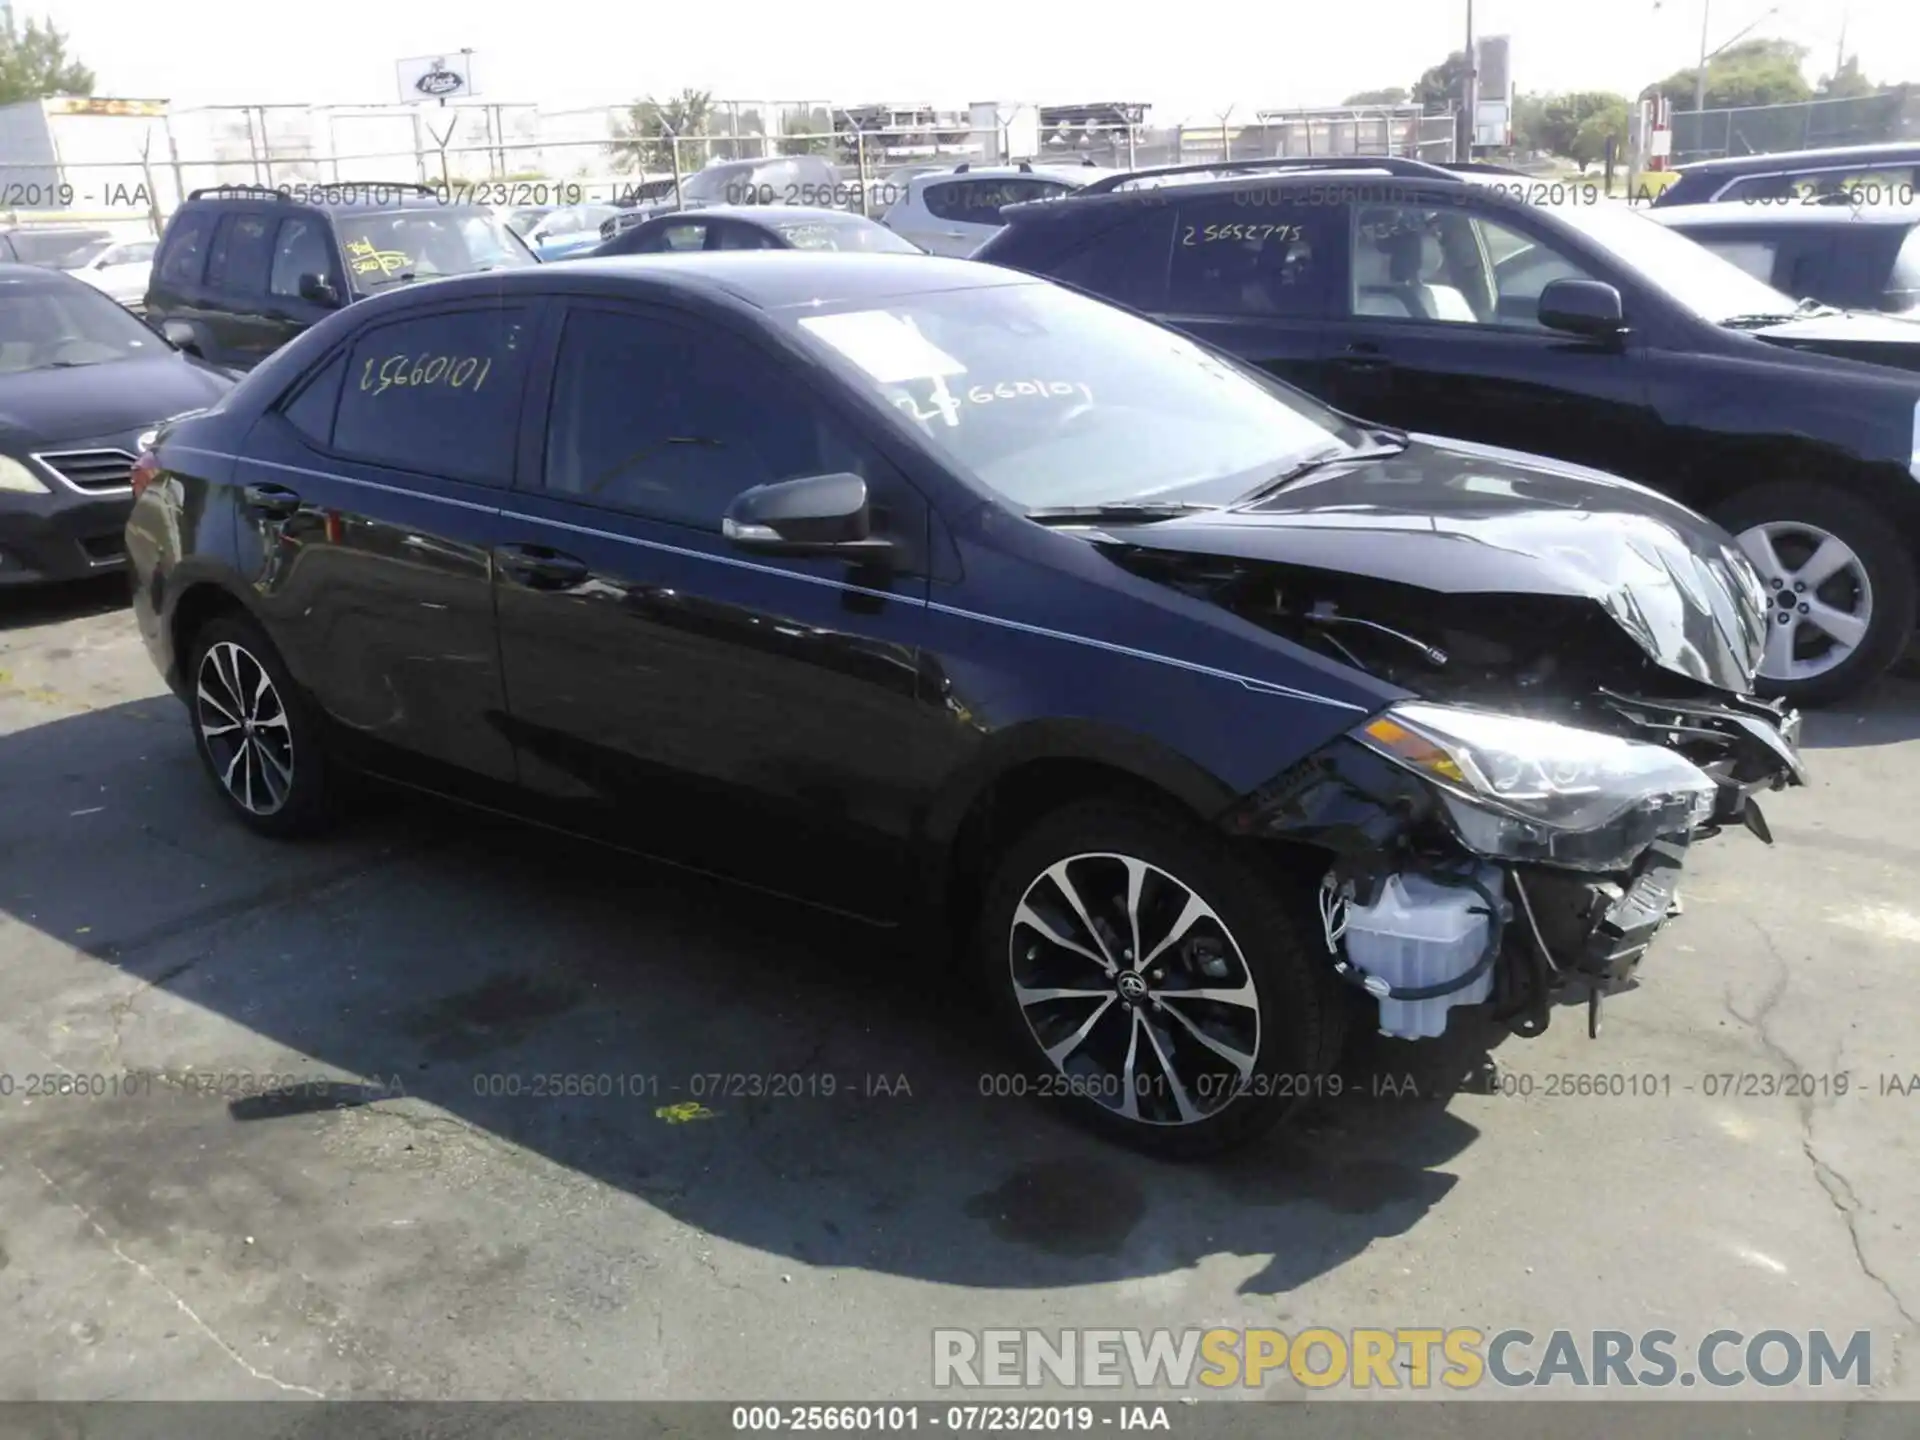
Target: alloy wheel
(244, 725)
(1134, 989)
(1819, 599)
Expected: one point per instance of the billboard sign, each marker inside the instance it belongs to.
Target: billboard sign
(438, 77)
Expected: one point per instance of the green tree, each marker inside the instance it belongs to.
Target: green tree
(1754, 72)
(34, 65)
(1391, 95)
(643, 139)
(1443, 87)
(1563, 118)
(1608, 122)
(1846, 83)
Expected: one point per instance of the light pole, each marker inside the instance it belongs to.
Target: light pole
(1471, 88)
(1706, 55)
(1700, 75)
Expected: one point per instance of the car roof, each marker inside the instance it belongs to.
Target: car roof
(14, 270)
(741, 279)
(1226, 179)
(348, 195)
(1801, 159)
(1085, 174)
(765, 215)
(1716, 215)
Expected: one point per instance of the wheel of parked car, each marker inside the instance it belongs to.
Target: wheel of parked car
(256, 731)
(1154, 981)
(1840, 585)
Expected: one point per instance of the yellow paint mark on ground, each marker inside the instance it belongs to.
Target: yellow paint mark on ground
(683, 1112)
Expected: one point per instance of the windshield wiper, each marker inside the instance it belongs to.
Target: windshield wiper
(1137, 510)
(1805, 310)
(1392, 442)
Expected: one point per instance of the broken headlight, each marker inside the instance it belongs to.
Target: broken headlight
(1532, 790)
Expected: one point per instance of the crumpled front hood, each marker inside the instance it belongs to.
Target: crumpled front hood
(1471, 519)
(1855, 335)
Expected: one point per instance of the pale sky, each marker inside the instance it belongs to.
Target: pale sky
(1189, 61)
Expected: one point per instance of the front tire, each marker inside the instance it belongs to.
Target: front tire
(1841, 587)
(257, 733)
(1154, 980)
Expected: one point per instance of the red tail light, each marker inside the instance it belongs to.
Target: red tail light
(144, 471)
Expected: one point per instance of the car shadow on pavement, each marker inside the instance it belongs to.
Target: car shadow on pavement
(776, 1077)
(1885, 715)
(70, 600)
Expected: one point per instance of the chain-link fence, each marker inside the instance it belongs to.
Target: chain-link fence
(1811, 125)
(132, 174)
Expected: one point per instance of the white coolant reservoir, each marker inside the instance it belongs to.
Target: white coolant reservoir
(1418, 933)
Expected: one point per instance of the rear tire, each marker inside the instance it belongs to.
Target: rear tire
(1854, 565)
(258, 734)
(1139, 1072)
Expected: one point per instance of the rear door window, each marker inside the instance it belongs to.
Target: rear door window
(1231, 257)
(183, 250)
(241, 254)
(300, 249)
(438, 394)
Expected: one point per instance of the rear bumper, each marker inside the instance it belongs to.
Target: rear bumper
(65, 535)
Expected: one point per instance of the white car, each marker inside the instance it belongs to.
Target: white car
(955, 212)
(120, 269)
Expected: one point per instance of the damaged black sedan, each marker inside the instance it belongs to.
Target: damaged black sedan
(1199, 718)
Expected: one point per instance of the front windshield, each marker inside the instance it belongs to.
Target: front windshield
(723, 184)
(858, 235)
(389, 247)
(47, 326)
(1685, 271)
(1054, 399)
(85, 254)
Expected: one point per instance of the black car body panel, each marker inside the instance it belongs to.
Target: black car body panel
(847, 730)
(750, 227)
(76, 427)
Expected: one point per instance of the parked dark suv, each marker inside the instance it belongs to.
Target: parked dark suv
(1455, 304)
(1202, 718)
(242, 269)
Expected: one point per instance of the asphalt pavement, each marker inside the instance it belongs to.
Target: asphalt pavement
(298, 1148)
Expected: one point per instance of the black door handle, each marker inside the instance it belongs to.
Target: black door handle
(274, 500)
(540, 568)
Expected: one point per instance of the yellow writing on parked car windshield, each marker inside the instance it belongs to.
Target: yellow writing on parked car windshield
(366, 258)
(458, 372)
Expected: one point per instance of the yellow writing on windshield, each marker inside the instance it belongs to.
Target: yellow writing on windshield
(456, 372)
(366, 258)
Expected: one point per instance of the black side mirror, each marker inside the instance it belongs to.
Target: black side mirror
(182, 336)
(319, 290)
(814, 515)
(1582, 307)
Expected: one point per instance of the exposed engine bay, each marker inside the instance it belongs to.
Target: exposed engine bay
(1512, 836)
